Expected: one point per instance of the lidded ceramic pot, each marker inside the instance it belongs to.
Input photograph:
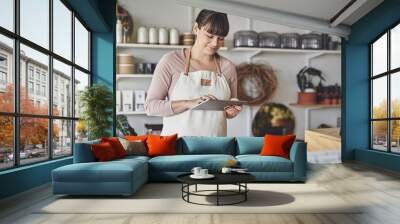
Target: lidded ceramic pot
(153, 35)
(142, 35)
(162, 36)
(173, 36)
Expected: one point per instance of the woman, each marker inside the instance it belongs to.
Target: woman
(188, 77)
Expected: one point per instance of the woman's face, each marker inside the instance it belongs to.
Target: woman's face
(210, 43)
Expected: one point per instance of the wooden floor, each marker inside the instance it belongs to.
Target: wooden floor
(378, 188)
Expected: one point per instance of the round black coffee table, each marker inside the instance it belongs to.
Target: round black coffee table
(238, 179)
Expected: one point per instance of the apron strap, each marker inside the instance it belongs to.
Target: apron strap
(187, 62)
(217, 61)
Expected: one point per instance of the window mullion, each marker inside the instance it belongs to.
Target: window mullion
(73, 81)
(50, 81)
(16, 84)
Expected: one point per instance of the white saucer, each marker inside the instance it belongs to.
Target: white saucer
(208, 176)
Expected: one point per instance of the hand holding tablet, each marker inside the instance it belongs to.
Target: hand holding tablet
(217, 105)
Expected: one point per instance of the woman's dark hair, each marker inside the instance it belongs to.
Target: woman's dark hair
(215, 23)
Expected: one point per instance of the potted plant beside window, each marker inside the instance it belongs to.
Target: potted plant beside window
(96, 102)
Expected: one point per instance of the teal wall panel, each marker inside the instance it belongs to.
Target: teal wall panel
(355, 108)
(24, 178)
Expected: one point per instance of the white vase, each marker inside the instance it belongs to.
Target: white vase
(153, 35)
(118, 31)
(173, 36)
(142, 35)
(162, 36)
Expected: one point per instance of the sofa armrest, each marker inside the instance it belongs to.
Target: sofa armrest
(83, 152)
(298, 155)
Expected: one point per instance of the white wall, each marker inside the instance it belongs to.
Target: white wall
(169, 14)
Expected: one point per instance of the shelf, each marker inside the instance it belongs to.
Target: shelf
(157, 46)
(309, 108)
(146, 76)
(132, 113)
(283, 50)
(316, 106)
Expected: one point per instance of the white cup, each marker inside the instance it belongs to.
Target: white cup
(196, 171)
(226, 170)
(203, 172)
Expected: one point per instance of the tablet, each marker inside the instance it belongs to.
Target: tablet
(217, 104)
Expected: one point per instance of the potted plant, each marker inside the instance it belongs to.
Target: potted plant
(96, 102)
(307, 94)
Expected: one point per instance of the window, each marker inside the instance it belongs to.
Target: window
(30, 72)
(385, 94)
(46, 129)
(30, 87)
(44, 91)
(3, 72)
(38, 89)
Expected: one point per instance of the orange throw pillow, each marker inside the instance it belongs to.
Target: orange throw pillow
(136, 138)
(103, 152)
(277, 145)
(161, 145)
(116, 145)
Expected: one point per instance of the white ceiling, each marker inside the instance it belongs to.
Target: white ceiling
(319, 9)
(312, 15)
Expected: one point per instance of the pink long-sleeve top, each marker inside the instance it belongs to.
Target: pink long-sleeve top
(167, 73)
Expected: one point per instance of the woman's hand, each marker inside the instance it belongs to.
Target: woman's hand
(196, 101)
(233, 110)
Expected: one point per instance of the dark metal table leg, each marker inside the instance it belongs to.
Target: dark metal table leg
(196, 188)
(245, 193)
(217, 194)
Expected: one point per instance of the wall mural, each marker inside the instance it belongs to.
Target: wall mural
(273, 118)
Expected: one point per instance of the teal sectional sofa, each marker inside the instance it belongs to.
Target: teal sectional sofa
(125, 176)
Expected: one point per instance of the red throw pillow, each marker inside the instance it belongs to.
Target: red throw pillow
(103, 152)
(161, 145)
(277, 145)
(116, 145)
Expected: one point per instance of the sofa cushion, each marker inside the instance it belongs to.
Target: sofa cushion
(161, 145)
(206, 145)
(277, 145)
(249, 145)
(83, 152)
(103, 152)
(116, 145)
(112, 171)
(257, 163)
(185, 163)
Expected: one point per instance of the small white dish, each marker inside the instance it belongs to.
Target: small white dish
(208, 176)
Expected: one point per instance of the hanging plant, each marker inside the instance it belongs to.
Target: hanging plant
(256, 83)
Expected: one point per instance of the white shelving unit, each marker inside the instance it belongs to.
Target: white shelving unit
(157, 46)
(309, 108)
(134, 76)
(132, 113)
(284, 50)
(144, 79)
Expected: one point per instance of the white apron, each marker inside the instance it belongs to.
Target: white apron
(191, 85)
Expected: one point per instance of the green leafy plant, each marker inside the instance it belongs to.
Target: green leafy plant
(96, 102)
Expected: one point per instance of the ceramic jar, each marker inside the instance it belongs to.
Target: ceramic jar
(173, 36)
(162, 36)
(153, 35)
(142, 35)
